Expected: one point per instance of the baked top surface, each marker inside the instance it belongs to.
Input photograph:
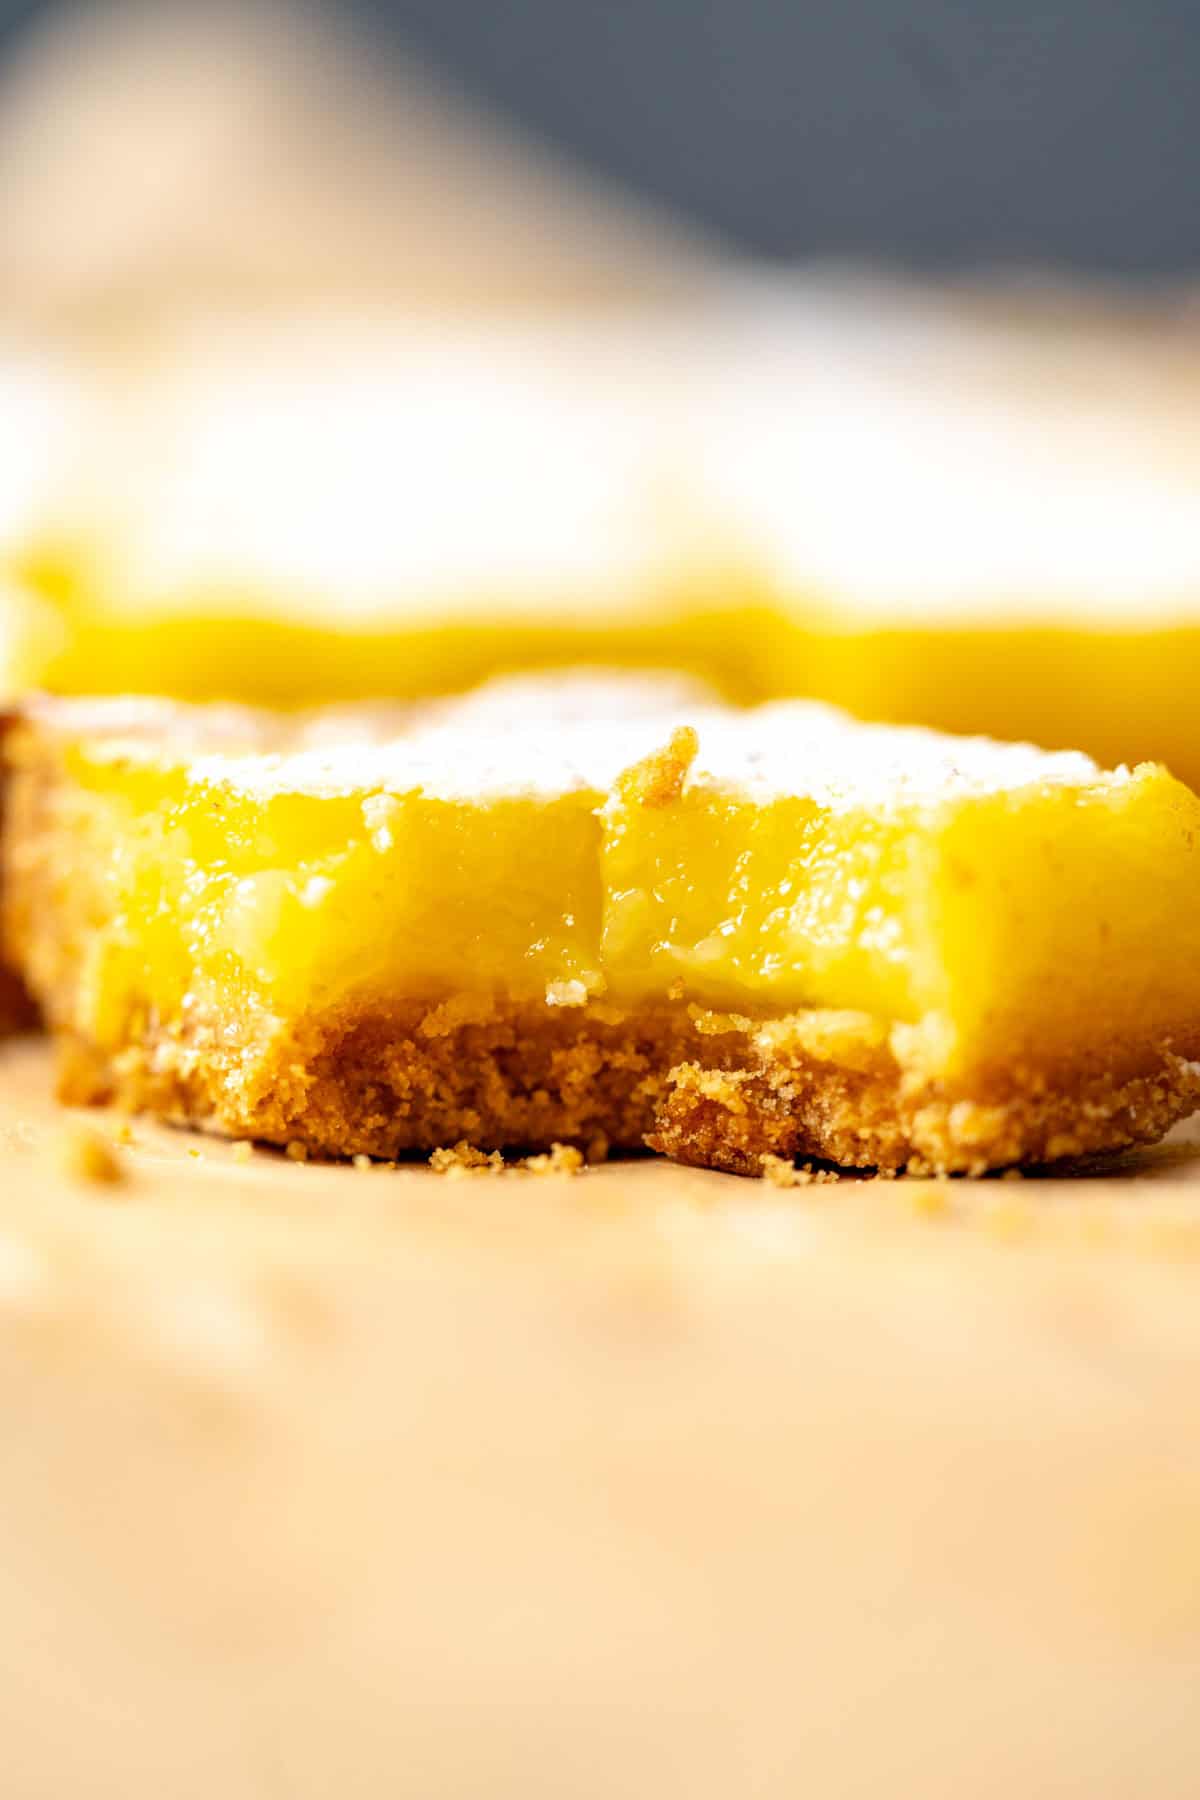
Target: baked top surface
(545, 736)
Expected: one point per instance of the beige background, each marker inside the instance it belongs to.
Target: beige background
(326, 1481)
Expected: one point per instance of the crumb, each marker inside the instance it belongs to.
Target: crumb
(124, 1133)
(86, 1156)
(464, 1159)
(296, 1151)
(562, 1159)
(194, 1153)
(781, 1172)
(658, 779)
(362, 1162)
(1013, 1175)
(241, 1151)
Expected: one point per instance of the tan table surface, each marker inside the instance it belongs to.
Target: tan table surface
(323, 1481)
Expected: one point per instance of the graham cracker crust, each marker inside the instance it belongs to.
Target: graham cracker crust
(715, 1090)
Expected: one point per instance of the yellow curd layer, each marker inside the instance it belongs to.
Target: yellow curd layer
(998, 903)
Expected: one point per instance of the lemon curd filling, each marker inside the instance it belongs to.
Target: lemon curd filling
(634, 887)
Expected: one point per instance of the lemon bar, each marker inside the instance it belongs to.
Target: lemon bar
(970, 511)
(967, 513)
(313, 512)
(606, 911)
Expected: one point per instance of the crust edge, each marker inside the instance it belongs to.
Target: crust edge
(715, 1091)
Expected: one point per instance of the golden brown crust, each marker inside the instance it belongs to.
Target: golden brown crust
(717, 1091)
(793, 1107)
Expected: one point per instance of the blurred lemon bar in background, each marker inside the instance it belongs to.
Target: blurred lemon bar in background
(418, 402)
(975, 509)
(605, 911)
(974, 512)
(319, 509)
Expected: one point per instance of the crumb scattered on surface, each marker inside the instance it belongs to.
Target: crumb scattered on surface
(362, 1162)
(464, 1159)
(124, 1133)
(560, 1159)
(781, 1172)
(241, 1151)
(194, 1153)
(86, 1156)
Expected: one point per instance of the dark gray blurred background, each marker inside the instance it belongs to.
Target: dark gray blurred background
(933, 132)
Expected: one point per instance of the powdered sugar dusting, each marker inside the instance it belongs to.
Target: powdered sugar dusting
(548, 736)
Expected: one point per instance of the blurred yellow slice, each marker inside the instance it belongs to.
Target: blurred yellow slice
(979, 513)
(975, 516)
(347, 510)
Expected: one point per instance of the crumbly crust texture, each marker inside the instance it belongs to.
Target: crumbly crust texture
(717, 1091)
